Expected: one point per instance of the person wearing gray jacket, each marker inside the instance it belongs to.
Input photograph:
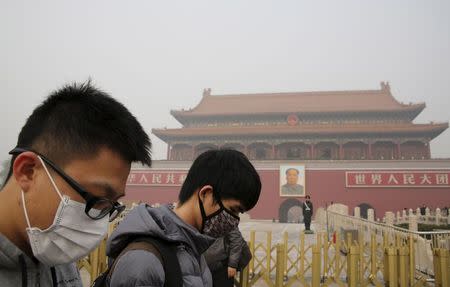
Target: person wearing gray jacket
(141, 268)
(68, 169)
(219, 185)
(226, 256)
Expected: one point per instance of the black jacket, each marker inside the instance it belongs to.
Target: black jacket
(228, 251)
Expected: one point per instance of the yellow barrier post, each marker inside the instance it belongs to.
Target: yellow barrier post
(316, 266)
(93, 260)
(103, 262)
(441, 267)
(252, 250)
(445, 271)
(361, 263)
(285, 253)
(269, 252)
(352, 266)
(385, 240)
(244, 277)
(391, 254)
(326, 245)
(437, 268)
(386, 266)
(412, 262)
(337, 256)
(302, 254)
(403, 262)
(279, 272)
(398, 240)
(373, 257)
(349, 241)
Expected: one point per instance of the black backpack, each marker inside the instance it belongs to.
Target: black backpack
(163, 250)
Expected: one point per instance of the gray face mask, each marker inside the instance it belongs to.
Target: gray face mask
(71, 236)
(219, 223)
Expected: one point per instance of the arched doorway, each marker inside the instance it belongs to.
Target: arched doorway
(295, 214)
(363, 207)
(289, 209)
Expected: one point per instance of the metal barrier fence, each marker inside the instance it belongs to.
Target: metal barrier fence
(331, 261)
(326, 259)
(423, 242)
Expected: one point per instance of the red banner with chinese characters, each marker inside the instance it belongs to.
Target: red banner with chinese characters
(156, 178)
(404, 178)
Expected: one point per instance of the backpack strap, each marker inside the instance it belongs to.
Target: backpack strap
(170, 262)
(164, 251)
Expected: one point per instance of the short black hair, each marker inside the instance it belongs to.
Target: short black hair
(308, 197)
(230, 174)
(79, 119)
(291, 168)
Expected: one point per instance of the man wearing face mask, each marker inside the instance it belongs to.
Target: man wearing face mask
(68, 170)
(219, 185)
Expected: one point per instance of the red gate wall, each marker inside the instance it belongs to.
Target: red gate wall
(324, 186)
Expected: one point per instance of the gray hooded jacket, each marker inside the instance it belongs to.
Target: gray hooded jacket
(17, 269)
(142, 268)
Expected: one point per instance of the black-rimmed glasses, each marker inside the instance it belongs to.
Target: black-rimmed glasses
(96, 207)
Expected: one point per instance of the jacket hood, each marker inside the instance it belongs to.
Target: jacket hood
(159, 222)
(9, 254)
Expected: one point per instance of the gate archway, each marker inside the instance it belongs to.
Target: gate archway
(289, 209)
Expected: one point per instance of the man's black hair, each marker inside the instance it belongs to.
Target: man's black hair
(79, 119)
(291, 168)
(229, 172)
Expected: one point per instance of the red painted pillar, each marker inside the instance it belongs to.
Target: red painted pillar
(273, 151)
(369, 156)
(399, 153)
(193, 152)
(312, 151)
(341, 151)
(168, 151)
(428, 150)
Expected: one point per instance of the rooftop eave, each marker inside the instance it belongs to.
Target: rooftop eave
(432, 130)
(415, 109)
(183, 115)
(178, 116)
(439, 129)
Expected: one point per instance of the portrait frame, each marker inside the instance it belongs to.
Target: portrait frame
(285, 190)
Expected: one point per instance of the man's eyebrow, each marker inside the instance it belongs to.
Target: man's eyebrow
(109, 190)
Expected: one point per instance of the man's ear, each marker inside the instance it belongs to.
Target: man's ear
(24, 169)
(204, 191)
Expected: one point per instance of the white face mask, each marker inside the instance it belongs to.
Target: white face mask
(72, 234)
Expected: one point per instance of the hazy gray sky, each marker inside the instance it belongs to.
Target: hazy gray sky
(157, 56)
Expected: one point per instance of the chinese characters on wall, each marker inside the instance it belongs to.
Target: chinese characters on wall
(414, 179)
(157, 178)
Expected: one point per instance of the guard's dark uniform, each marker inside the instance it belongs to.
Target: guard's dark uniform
(307, 207)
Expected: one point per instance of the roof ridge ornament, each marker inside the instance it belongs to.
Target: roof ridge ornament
(207, 92)
(385, 86)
